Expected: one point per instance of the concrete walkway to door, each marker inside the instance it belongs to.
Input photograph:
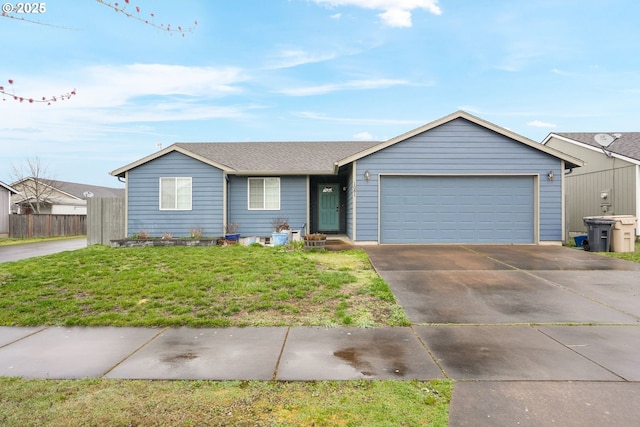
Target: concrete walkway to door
(534, 335)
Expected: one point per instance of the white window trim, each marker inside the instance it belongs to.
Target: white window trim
(175, 178)
(264, 193)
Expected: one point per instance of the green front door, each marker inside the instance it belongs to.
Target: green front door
(329, 207)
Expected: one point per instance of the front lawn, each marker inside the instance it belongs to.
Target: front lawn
(27, 403)
(197, 287)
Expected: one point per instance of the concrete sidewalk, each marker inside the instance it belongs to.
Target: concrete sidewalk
(464, 353)
(506, 375)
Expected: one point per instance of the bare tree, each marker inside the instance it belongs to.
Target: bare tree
(35, 184)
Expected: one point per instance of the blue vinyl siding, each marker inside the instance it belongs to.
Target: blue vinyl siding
(293, 206)
(143, 190)
(459, 147)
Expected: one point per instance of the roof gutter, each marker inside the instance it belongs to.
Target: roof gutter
(283, 173)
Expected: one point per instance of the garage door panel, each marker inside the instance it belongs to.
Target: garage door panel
(470, 209)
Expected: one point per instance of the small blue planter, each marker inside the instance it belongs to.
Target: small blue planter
(279, 239)
(232, 237)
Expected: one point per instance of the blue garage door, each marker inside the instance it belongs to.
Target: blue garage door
(457, 209)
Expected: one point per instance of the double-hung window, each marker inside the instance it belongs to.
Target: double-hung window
(264, 194)
(175, 194)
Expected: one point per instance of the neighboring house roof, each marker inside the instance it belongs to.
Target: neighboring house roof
(66, 191)
(78, 190)
(10, 189)
(627, 145)
(312, 157)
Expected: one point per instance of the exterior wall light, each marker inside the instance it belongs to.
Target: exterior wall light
(367, 175)
(550, 176)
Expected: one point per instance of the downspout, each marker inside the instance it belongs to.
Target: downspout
(308, 222)
(354, 203)
(225, 184)
(638, 198)
(564, 202)
(126, 204)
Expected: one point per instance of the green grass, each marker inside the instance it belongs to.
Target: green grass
(197, 287)
(234, 403)
(629, 256)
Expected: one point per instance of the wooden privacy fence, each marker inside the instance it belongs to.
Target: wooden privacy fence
(105, 220)
(25, 226)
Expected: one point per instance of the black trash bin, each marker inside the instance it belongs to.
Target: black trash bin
(598, 233)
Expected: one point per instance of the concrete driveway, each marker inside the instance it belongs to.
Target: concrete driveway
(535, 335)
(30, 250)
(509, 284)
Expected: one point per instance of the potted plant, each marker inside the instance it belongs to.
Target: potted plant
(231, 232)
(315, 241)
(281, 231)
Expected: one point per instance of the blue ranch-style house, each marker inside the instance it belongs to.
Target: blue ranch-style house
(459, 179)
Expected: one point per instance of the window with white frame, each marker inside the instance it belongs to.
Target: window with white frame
(175, 194)
(264, 194)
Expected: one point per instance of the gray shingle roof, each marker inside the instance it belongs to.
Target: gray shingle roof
(627, 145)
(289, 157)
(78, 190)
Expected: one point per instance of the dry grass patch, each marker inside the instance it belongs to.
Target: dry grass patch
(28, 403)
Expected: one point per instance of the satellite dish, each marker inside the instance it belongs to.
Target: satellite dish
(604, 139)
(87, 194)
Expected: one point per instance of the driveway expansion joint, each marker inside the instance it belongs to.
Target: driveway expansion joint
(26, 336)
(573, 348)
(162, 330)
(426, 348)
(284, 343)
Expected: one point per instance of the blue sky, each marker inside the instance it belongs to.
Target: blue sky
(280, 70)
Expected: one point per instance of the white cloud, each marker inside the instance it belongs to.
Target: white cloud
(396, 13)
(396, 18)
(289, 58)
(114, 99)
(355, 121)
(350, 85)
(539, 124)
(336, 16)
(363, 136)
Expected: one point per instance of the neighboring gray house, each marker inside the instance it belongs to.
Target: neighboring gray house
(5, 207)
(58, 197)
(458, 179)
(608, 184)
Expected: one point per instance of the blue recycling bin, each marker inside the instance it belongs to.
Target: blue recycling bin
(580, 240)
